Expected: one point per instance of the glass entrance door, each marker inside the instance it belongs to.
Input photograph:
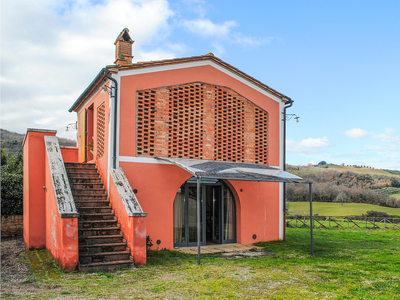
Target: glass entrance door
(217, 215)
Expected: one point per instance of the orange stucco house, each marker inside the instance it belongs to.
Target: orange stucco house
(189, 151)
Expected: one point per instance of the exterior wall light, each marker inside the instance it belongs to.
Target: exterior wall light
(290, 116)
(72, 126)
(106, 89)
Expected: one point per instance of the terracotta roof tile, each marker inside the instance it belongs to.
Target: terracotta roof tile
(211, 57)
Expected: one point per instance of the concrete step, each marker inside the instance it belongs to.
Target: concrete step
(80, 165)
(88, 192)
(89, 258)
(100, 239)
(82, 175)
(88, 185)
(96, 216)
(81, 170)
(99, 248)
(85, 180)
(84, 190)
(97, 223)
(95, 210)
(106, 266)
(90, 203)
(99, 231)
(87, 198)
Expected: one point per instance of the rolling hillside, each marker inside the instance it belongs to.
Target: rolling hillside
(361, 170)
(12, 141)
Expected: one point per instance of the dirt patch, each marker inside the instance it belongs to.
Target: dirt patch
(17, 280)
(14, 268)
(247, 253)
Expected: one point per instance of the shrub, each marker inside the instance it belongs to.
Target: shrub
(11, 184)
(374, 213)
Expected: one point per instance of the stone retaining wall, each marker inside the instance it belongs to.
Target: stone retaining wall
(11, 226)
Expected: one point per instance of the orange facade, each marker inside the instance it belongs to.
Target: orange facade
(145, 131)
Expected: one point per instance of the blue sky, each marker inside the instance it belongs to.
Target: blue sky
(338, 60)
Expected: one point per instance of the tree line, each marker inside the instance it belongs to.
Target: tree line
(11, 183)
(334, 186)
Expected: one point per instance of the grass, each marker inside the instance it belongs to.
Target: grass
(348, 264)
(335, 209)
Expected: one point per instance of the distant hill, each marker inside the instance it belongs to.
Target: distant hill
(332, 183)
(342, 169)
(12, 141)
(361, 170)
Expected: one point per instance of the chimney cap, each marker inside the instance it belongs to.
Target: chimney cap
(124, 36)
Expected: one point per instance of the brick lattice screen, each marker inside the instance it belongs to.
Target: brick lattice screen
(199, 120)
(101, 123)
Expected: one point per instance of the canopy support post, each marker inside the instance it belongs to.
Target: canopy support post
(198, 219)
(311, 222)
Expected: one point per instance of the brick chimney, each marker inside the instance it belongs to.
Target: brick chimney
(123, 48)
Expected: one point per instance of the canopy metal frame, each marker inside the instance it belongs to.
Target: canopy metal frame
(207, 169)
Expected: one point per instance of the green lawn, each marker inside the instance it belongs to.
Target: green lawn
(336, 209)
(348, 264)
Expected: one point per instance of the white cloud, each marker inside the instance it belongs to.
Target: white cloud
(222, 32)
(206, 28)
(198, 6)
(315, 143)
(51, 50)
(388, 137)
(307, 146)
(356, 133)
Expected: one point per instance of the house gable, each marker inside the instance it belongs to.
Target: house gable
(131, 82)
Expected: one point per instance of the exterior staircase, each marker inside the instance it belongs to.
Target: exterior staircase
(101, 242)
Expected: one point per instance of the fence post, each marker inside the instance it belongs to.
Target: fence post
(384, 222)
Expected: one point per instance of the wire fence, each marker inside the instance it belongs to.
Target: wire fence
(327, 222)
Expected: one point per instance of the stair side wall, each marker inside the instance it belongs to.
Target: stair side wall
(61, 233)
(34, 220)
(69, 154)
(133, 227)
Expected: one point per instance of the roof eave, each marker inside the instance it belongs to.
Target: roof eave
(99, 78)
(216, 60)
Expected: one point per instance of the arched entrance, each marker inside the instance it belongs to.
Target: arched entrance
(217, 214)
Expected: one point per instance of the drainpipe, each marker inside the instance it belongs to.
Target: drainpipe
(198, 219)
(114, 154)
(284, 149)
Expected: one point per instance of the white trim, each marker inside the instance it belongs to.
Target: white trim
(110, 139)
(281, 133)
(281, 212)
(152, 160)
(198, 64)
(118, 122)
(147, 160)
